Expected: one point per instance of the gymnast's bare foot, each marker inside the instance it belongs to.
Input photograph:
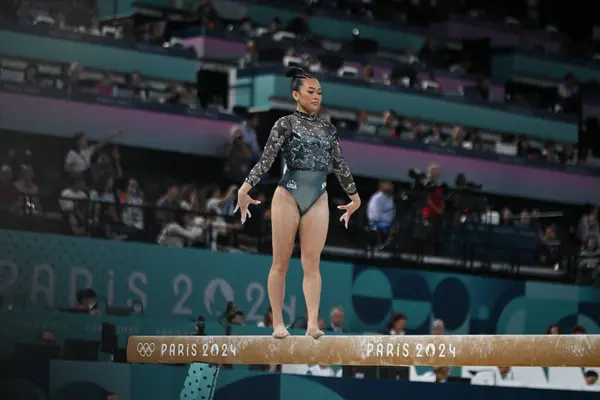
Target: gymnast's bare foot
(314, 332)
(280, 332)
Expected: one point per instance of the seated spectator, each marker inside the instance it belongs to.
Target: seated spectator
(388, 129)
(132, 199)
(189, 202)
(137, 87)
(107, 86)
(219, 203)
(166, 204)
(31, 75)
(174, 233)
(435, 136)
(458, 136)
(28, 189)
(75, 210)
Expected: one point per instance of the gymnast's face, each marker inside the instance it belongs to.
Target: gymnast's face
(309, 96)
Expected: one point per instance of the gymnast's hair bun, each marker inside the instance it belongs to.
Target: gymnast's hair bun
(295, 72)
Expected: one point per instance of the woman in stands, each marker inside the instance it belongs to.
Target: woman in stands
(309, 146)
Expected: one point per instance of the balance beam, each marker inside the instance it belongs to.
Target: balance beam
(459, 350)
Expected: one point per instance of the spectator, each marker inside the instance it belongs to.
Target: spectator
(219, 203)
(506, 373)
(274, 25)
(132, 214)
(397, 325)
(336, 320)
(249, 137)
(388, 129)
(437, 327)
(105, 167)
(435, 136)
(441, 374)
(28, 189)
(75, 191)
(381, 208)
(588, 226)
(552, 330)
(138, 90)
(591, 377)
(458, 136)
(9, 195)
(111, 396)
(239, 157)
(166, 204)
(189, 202)
(506, 217)
(31, 74)
(94, 28)
(250, 59)
(107, 86)
(79, 158)
(267, 321)
(174, 233)
(589, 261)
(74, 208)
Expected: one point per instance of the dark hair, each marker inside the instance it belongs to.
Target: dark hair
(298, 75)
(549, 328)
(591, 373)
(578, 329)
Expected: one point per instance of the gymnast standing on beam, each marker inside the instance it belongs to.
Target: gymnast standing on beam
(300, 204)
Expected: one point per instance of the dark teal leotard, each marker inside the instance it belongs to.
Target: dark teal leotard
(309, 146)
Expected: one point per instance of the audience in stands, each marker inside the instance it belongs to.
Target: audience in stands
(591, 377)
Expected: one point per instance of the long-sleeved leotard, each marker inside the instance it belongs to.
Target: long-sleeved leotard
(309, 146)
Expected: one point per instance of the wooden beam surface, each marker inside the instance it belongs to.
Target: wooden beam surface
(450, 350)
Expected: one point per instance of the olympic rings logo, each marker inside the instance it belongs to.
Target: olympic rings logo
(145, 349)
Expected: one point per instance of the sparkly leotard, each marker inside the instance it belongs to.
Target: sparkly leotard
(309, 145)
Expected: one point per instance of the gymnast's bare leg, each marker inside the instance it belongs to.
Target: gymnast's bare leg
(285, 218)
(313, 233)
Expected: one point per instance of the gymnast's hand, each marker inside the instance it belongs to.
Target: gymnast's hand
(350, 208)
(243, 201)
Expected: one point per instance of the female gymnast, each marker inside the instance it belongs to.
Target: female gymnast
(309, 145)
